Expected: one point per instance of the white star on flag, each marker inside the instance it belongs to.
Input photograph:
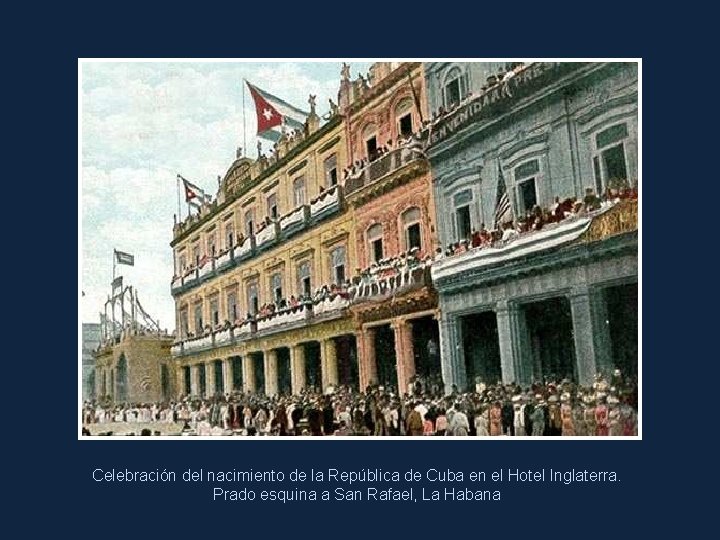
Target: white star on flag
(267, 113)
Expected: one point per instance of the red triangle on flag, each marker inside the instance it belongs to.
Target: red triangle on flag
(189, 193)
(267, 115)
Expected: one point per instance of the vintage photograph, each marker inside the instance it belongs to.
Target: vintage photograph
(359, 248)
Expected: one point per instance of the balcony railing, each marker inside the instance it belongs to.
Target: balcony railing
(391, 282)
(223, 259)
(327, 204)
(327, 201)
(266, 235)
(331, 304)
(300, 315)
(610, 219)
(206, 268)
(295, 219)
(383, 166)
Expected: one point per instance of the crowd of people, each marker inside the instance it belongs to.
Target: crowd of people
(537, 219)
(551, 408)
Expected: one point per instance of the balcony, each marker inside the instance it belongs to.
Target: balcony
(224, 259)
(286, 317)
(386, 165)
(329, 306)
(205, 268)
(390, 281)
(327, 204)
(244, 250)
(294, 221)
(223, 337)
(611, 219)
(267, 235)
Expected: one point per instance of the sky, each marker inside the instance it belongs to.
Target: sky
(142, 124)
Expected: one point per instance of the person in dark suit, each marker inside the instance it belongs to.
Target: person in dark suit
(328, 417)
(529, 408)
(315, 419)
(296, 416)
(508, 417)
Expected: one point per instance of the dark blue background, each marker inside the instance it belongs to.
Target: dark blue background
(53, 469)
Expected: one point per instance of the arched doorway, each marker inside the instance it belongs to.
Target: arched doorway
(121, 382)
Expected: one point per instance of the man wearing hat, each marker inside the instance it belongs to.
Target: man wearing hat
(601, 416)
(566, 416)
(538, 416)
(518, 415)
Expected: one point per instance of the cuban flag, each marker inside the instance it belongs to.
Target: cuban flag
(273, 113)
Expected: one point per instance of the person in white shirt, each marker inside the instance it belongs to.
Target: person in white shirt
(506, 80)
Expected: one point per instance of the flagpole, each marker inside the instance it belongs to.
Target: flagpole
(245, 149)
(177, 187)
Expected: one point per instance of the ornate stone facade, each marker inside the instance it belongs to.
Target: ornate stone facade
(393, 211)
(562, 301)
(136, 369)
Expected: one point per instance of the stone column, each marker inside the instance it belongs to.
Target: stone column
(513, 340)
(452, 358)
(367, 364)
(271, 372)
(179, 382)
(591, 333)
(404, 353)
(227, 375)
(248, 373)
(328, 363)
(297, 368)
(195, 380)
(210, 378)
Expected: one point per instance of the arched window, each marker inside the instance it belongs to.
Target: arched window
(369, 135)
(253, 299)
(609, 160)
(403, 117)
(229, 234)
(454, 88)
(211, 245)
(214, 311)
(276, 286)
(526, 176)
(298, 191)
(250, 222)
(463, 222)
(337, 265)
(304, 283)
(198, 319)
(411, 226)
(375, 242)
(232, 313)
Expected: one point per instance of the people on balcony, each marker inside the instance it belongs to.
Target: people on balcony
(538, 218)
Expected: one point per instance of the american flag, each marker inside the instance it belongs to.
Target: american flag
(502, 204)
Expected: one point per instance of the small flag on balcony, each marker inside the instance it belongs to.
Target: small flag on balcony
(124, 258)
(503, 210)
